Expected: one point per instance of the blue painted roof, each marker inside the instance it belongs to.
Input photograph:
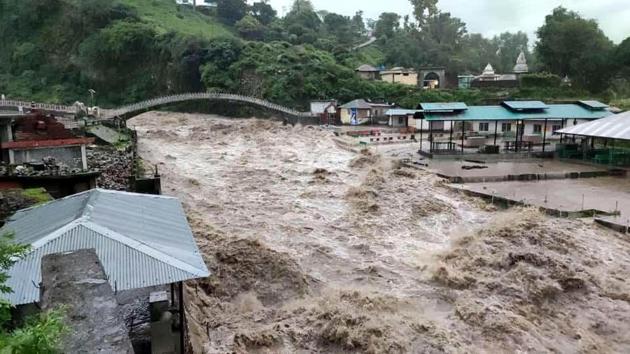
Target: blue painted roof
(483, 113)
(447, 106)
(525, 105)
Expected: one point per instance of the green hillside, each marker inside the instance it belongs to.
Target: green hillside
(166, 16)
(127, 50)
(131, 50)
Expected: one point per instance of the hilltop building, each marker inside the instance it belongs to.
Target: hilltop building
(430, 77)
(200, 3)
(400, 75)
(368, 72)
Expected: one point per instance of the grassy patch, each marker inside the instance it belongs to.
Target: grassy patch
(623, 103)
(166, 16)
(38, 194)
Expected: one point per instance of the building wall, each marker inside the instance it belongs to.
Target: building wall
(380, 111)
(409, 79)
(68, 155)
(529, 126)
(398, 121)
(424, 125)
(368, 75)
(362, 115)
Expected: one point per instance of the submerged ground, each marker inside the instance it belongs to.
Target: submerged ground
(314, 248)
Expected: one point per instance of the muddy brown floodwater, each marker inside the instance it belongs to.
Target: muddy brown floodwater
(313, 248)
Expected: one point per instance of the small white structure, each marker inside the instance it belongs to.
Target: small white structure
(320, 107)
(521, 66)
(200, 3)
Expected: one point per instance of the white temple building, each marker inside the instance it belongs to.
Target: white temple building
(521, 66)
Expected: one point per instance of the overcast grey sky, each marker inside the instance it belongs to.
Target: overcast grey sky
(491, 17)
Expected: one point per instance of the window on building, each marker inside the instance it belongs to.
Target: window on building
(401, 120)
(506, 127)
(484, 127)
(537, 128)
(556, 127)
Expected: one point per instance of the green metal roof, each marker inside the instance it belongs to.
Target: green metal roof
(484, 113)
(524, 105)
(447, 106)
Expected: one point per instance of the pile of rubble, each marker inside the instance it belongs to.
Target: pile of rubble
(115, 166)
(48, 166)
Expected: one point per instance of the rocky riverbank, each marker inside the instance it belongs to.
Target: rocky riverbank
(115, 165)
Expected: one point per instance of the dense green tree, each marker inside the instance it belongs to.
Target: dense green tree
(302, 6)
(509, 46)
(263, 12)
(231, 11)
(423, 10)
(340, 27)
(250, 28)
(302, 22)
(39, 334)
(221, 54)
(387, 25)
(476, 53)
(442, 40)
(622, 56)
(358, 24)
(118, 59)
(571, 45)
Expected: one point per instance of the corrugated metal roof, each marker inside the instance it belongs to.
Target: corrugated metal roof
(142, 240)
(367, 68)
(402, 112)
(443, 107)
(483, 113)
(594, 104)
(360, 104)
(613, 127)
(524, 105)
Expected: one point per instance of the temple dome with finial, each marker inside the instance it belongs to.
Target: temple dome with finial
(521, 64)
(488, 71)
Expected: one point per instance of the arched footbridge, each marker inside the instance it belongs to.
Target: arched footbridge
(129, 111)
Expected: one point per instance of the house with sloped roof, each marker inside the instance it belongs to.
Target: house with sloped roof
(141, 240)
(143, 243)
(368, 72)
(361, 111)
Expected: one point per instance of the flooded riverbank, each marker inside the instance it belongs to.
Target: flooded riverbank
(317, 249)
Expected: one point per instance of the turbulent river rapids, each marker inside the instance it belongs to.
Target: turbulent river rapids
(316, 248)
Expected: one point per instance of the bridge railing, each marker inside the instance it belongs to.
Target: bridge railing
(42, 106)
(154, 102)
(121, 111)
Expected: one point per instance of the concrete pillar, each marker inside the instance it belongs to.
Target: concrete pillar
(84, 157)
(11, 157)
